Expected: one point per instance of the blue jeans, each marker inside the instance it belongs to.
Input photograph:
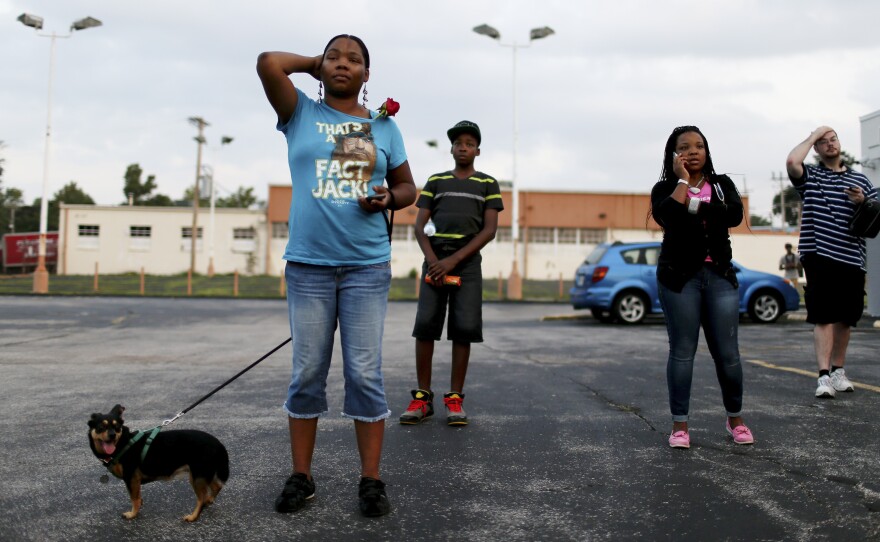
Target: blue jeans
(357, 298)
(710, 301)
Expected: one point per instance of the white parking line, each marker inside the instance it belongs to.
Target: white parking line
(767, 365)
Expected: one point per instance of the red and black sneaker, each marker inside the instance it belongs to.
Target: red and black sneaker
(454, 412)
(420, 408)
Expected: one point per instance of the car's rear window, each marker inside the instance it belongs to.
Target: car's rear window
(596, 255)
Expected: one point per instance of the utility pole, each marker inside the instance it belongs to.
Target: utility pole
(781, 178)
(200, 123)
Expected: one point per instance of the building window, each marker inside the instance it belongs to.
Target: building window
(140, 237)
(244, 240)
(503, 234)
(140, 231)
(186, 232)
(590, 236)
(567, 236)
(400, 232)
(244, 233)
(541, 235)
(186, 238)
(88, 236)
(280, 230)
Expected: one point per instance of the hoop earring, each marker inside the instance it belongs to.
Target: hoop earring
(320, 91)
(364, 103)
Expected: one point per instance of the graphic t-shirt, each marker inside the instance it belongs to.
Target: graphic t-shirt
(334, 159)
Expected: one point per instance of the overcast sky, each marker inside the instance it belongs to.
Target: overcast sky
(597, 100)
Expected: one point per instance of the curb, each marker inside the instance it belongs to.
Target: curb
(796, 316)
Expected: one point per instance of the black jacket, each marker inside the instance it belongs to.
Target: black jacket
(686, 241)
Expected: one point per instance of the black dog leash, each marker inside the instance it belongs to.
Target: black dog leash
(223, 385)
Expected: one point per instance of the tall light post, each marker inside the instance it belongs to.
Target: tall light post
(199, 123)
(514, 283)
(225, 140)
(41, 275)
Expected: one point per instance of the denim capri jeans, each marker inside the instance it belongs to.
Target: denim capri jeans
(318, 299)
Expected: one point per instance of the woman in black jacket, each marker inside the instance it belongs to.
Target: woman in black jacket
(697, 283)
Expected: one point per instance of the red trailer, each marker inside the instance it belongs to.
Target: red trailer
(20, 250)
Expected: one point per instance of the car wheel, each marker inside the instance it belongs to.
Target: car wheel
(629, 307)
(601, 315)
(765, 307)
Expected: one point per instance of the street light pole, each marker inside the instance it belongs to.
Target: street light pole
(514, 282)
(200, 123)
(41, 274)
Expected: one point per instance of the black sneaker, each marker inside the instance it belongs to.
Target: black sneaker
(297, 490)
(372, 498)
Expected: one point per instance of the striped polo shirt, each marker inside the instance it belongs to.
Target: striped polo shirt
(457, 205)
(827, 212)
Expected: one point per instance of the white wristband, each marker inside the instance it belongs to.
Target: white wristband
(682, 181)
(693, 205)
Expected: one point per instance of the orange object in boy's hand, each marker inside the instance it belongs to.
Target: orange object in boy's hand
(448, 280)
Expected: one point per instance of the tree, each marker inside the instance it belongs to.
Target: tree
(141, 192)
(10, 201)
(73, 194)
(792, 205)
(242, 198)
(204, 199)
(70, 193)
(757, 220)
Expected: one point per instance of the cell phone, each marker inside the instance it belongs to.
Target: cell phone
(376, 197)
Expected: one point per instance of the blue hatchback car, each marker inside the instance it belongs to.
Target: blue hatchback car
(618, 283)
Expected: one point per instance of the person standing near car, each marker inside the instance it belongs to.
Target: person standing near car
(696, 281)
(833, 258)
(790, 265)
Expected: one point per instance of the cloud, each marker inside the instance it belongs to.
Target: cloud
(595, 101)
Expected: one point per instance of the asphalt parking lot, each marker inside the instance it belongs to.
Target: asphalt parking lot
(567, 439)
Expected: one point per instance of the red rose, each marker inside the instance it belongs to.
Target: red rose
(388, 109)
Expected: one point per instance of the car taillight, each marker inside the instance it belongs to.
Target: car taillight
(599, 274)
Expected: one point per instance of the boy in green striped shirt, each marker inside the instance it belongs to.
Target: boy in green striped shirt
(460, 209)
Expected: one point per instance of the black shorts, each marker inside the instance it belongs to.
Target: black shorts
(834, 293)
(465, 305)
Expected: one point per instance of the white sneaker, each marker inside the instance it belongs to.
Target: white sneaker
(840, 382)
(825, 389)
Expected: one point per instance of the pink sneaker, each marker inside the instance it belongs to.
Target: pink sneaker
(680, 439)
(741, 434)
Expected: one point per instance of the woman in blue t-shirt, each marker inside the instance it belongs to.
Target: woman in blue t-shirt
(338, 253)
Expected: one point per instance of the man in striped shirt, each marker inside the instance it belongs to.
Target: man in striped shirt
(833, 258)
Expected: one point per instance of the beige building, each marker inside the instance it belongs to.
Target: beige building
(557, 231)
(124, 239)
